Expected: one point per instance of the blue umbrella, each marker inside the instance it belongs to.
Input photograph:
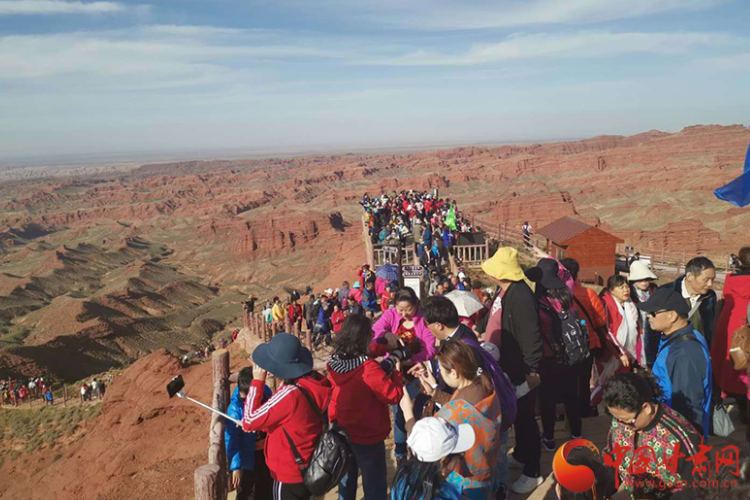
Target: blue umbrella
(388, 272)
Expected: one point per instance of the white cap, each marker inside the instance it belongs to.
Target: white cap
(433, 439)
(639, 271)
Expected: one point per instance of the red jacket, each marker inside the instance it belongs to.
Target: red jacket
(337, 319)
(361, 399)
(385, 299)
(594, 309)
(295, 312)
(287, 409)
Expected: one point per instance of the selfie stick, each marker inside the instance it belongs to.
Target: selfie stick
(181, 394)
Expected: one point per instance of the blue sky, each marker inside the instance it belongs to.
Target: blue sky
(193, 75)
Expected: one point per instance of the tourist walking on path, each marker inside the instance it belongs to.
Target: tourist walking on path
(277, 311)
(473, 402)
(520, 355)
(370, 300)
(588, 306)
(295, 312)
(696, 288)
(247, 465)
(443, 321)
(642, 286)
(527, 228)
(436, 447)
(404, 324)
(641, 422)
(623, 324)
(343, 294)
(623, 348)
(310, 312)
(337, 318)
(362, 392)
(292, 415)
(683, 364)
(733, 315)
(558, 376)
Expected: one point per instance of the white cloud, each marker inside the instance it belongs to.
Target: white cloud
(479, 14)
(190, 31)
(31, 7)
(153, 53)
(583, 44)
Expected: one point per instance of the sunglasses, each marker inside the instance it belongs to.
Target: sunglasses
(632, 421)
(656, 313)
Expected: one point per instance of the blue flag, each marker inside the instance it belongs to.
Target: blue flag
(737, 192)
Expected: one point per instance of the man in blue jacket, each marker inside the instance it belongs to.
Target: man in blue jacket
(244, 450)
(683, 363)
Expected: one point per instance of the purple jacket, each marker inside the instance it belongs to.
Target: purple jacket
(389, 322)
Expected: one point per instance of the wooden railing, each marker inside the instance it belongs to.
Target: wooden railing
(259, 328)
(381, 257)
(471, 255)
(659, 257)
(212, 479)
(678, 260)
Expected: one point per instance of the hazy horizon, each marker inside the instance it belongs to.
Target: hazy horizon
(81, 79)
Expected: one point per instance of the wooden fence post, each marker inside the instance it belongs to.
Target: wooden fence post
(296, 329)
(207, 486)
(216, 450)
(287, 323)
(308, 339)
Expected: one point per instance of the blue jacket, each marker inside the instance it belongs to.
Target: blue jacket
(370, 300)
(427, 236)
(447, 237)
(683, 369)
(240, 444)
(707, 308)
(323, 317)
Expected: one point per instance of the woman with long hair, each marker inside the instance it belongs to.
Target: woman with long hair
(473, 402)
(362, 391)
(558, 380)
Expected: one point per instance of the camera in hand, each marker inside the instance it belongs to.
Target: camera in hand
(400, 353)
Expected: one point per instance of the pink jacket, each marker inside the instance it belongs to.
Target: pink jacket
(389, 323)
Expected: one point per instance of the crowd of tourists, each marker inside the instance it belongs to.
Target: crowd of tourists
(94, 389)
(422, 219)
(656, 359)
(15, 392)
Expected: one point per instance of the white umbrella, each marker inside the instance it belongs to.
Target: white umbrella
(466, 302)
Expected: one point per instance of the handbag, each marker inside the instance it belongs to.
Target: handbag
(330, 459)
(740, 348)
(723, 425)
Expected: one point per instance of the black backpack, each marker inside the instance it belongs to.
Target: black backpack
(571, 336)
(330, 460)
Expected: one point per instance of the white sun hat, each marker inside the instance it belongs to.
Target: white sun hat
(639, 271)
(434, 438)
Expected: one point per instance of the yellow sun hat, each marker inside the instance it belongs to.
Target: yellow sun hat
(504, 265)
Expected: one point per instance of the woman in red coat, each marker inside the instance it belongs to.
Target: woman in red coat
(733, 315)
(362, 393)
